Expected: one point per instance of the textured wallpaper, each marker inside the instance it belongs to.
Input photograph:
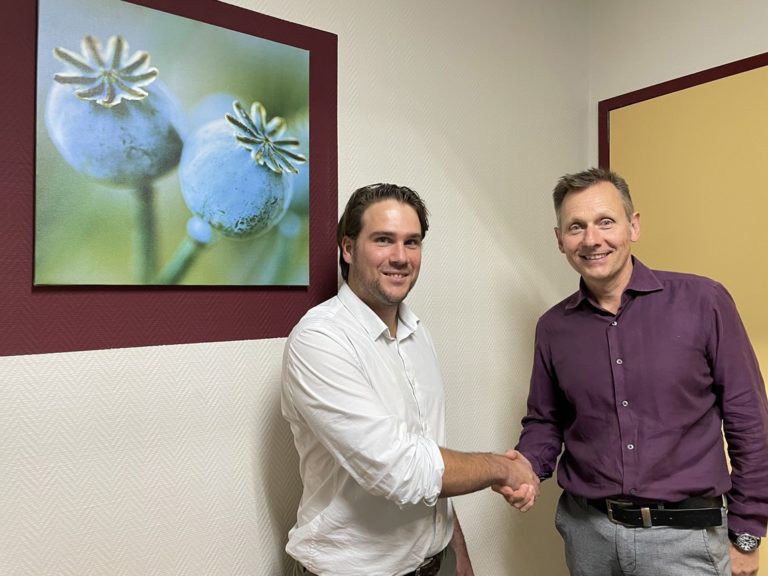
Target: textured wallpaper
(174, 460)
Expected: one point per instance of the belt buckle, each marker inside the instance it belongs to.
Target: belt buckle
(645, 512)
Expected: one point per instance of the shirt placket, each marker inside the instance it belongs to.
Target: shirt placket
(627, 428)
(410, 376)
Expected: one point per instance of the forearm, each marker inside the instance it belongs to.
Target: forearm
(459, 545)
(458, 542)
(467, 472)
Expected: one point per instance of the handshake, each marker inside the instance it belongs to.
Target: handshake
(521, 488)
(510, 474)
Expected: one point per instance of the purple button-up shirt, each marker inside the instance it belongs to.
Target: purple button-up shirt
(638, 398)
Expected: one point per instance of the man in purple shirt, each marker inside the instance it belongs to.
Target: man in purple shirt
(636, 376)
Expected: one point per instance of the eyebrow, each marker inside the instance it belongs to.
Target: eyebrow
(392, 233)
(600, 216)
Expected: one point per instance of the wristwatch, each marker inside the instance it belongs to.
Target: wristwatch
(744, 542)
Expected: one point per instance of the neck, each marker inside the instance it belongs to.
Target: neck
(385, 310)
(608, 296)
(610, 302)
(389, 317)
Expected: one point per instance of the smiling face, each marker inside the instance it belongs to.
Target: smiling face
(385, 257)
(595, 234)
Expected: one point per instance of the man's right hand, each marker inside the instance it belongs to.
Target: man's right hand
(467, 472)
(522, 486)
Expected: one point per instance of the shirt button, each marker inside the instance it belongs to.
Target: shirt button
(614, 323)
(630, 446)
(619, 361)
(625, 403)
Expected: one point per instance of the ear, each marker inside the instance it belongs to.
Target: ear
(634, 224)
(559, 239)
(347, 246)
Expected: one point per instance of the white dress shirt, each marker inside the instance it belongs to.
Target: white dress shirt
(368, 416)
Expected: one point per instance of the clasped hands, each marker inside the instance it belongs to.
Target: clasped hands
(521, 488)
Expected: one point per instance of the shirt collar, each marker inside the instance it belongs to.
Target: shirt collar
(642, 281)
(408, 322)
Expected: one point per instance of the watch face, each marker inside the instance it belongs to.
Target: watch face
(747, 542)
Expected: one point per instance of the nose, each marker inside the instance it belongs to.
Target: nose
(591, 236)
(397, 254)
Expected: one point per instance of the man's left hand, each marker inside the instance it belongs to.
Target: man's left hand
(744, 563)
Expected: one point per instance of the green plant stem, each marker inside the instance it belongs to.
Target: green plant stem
(146, 261)
(180, 262)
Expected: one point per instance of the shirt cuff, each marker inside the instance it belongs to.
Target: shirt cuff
(439, 469)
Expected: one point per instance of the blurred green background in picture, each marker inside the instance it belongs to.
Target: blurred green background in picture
(109, 208)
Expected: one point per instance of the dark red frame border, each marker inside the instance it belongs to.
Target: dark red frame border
(604, 107)
(53, 319)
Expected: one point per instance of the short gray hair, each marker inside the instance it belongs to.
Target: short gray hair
(583, 180)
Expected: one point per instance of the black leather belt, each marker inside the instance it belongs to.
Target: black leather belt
(430, 566)
(696, 512)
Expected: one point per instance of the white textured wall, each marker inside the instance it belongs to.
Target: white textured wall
(145, 461)
(174, 460)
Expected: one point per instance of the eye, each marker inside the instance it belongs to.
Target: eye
(413, 243)
(574, 228)
(606, 223)
(382, 240)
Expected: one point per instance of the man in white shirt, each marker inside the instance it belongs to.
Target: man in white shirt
(363, 394)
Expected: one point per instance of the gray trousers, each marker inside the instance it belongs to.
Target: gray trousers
(447, 567)
(595, 546)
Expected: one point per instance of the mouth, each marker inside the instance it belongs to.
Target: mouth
(395, 275)
(595, 257)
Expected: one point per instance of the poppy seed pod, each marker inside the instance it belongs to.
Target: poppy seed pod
(236, 172)
(105, 123)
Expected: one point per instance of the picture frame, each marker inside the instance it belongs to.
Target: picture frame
(46, 319)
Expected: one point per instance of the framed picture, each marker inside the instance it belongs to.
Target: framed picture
(162, 160)
(172, 174)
